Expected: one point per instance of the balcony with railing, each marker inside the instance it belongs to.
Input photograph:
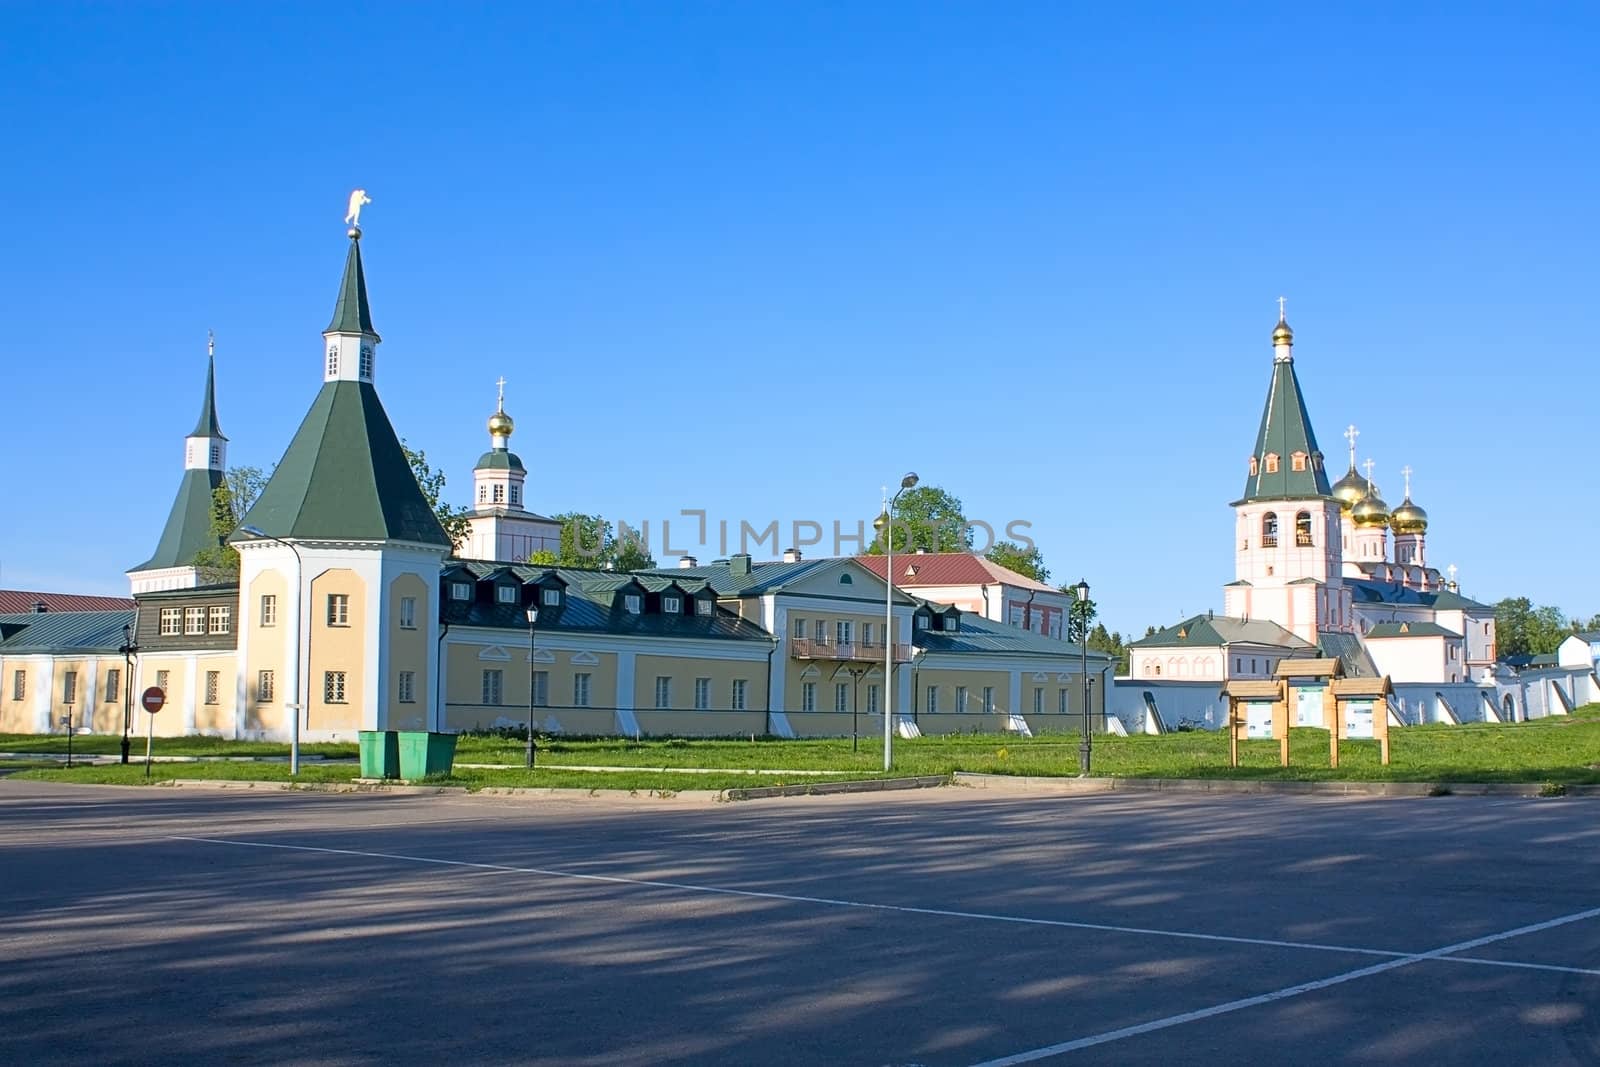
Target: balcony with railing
(856, 651)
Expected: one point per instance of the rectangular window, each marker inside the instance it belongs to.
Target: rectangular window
(194, 620)
(704, 606)
(460, 590)
(266, 682)
(171, 622)
(737, 701)
(841, 696)
(872, 700)
(338, 609)
(988, 699)
(365, 363)
(408, 613)
(671, 605)
(216, 455)
(333, 687)
(498, 494)
(505, 594)
(19, 685)
(162, 678)
(808, 696)
(113, 685)
(841, 632)
(580, 690)
(1061, 699)
(551, 598)
(961, 699)
(663, 692)
(213, 686)
(541, 689)
(800, 629)
(69, 687)
(702, 694)
(821, 632)
(1038, 699)
(516, 495)
(333, 361)
(406, 691)
(493, 687)
(866, 635)
(631, 602)
(933, 700)
(220, 619)
(269, 610)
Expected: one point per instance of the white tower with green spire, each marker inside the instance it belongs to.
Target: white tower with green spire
(500, 526)
(1288, 563)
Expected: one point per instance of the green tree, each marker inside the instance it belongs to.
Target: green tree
(1110, 643)
(1079, 614)
(927, 519)
(1025, 561)
(590, 541)
(230, 501)
(431, 482)
(1524, 630)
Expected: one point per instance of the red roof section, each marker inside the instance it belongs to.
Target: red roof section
(949, 568)
(19, 601)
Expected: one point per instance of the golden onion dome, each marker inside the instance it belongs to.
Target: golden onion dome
(1371, 510)
(1349, 490)
(1408, 519)
(500, 424)
(1282, 335)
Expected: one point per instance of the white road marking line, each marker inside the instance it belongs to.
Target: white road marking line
(1525, 966)
(795, 898)
(1278, 994)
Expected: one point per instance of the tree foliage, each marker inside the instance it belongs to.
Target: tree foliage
(432, 482)
(926, 519)
(230, 501)
(1025, 561)
(1079, 615)
(1111, 643)
(1524, 630)
(590, 541)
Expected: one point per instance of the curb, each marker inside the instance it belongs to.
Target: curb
(871, 785)
(370, 785)
(1235, 786)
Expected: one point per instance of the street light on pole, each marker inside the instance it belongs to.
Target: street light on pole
(1086, 746)
(886, 522)
(533, 619)
(128, 650)
(294, 705)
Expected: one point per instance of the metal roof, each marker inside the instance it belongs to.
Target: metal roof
(63, 631)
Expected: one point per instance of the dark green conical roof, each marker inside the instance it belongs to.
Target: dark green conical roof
(188, 529)
(208, 426)
(1285, 430)
(352, 314)
(345, 477)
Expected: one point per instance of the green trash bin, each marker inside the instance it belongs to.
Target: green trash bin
(380, 754)
(423, 753)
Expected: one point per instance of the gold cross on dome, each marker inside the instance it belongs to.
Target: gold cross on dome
(1282, 300)
(1369, 465)
(501, 383)
(1406, 473)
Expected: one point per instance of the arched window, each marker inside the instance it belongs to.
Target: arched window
(1272, 463)
(1297, 461)
(1302, 529)
(1269, 530)
(1255, 467)
(1510, 706)
(1156, 670)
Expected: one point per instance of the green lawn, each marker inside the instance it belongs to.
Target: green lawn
(1555, 749)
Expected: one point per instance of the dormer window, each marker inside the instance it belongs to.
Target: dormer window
(920, 622)
(505, 594)
(703, 606)
(1272, 463)
(671, 605)
(460, 590)
(631, 603)
(1255, 467)
(333, 361)
(551, 598)
(1297, 461)
(952, 622)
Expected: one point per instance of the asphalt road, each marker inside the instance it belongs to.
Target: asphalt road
(936, 927)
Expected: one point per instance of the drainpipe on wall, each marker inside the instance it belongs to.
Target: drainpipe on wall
(438, 683)
(768, 701)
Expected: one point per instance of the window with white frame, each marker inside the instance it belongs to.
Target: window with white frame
(961, 699)
(800, 629)
(163, 678)
(952, 622)
(499, 494)
(69, 687)
(808, 696)
(580, 689)
(483, 494)
(171, 621)
(866, 634)
(933, 700)
(632, 603)
(338, 609)
(216, 455)
(841, 696)
(737, 700)
(541, 689)
(333, 687)
(365, 366)
(671, 605)
(460, 590)
(19, 685)
(820, 632)
(113, 684)
(408, 613)
(663, 692)
(1061, 699)
(505, 594)
(703, 606)
(194, 621)
(493, 687)
(872, 699)
(213, 686)
(702, 694)
(841, 632)
(988, 699)
(406, 688)
(1038, 699)
(266, 682)
(269, 609)
(333, 361)
(919, 622)
(551, 598)
(516, 495)
(220, 620)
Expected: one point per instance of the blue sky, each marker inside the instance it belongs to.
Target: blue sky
(759, 259)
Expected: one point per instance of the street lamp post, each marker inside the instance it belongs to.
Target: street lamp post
(294, 705)
(533, 620)
(887, 519)
(1085, 746)
(128, 650)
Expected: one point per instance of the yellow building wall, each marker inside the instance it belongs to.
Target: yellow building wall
(338, 648)
(268, 647)
(464, 707)
(684, 672)
(701, 723)
(408, 651)
(17, 716)
(218, 717)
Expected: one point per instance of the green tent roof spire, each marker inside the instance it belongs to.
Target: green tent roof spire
(1286, 463)
(352, 313)
(208, 426)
